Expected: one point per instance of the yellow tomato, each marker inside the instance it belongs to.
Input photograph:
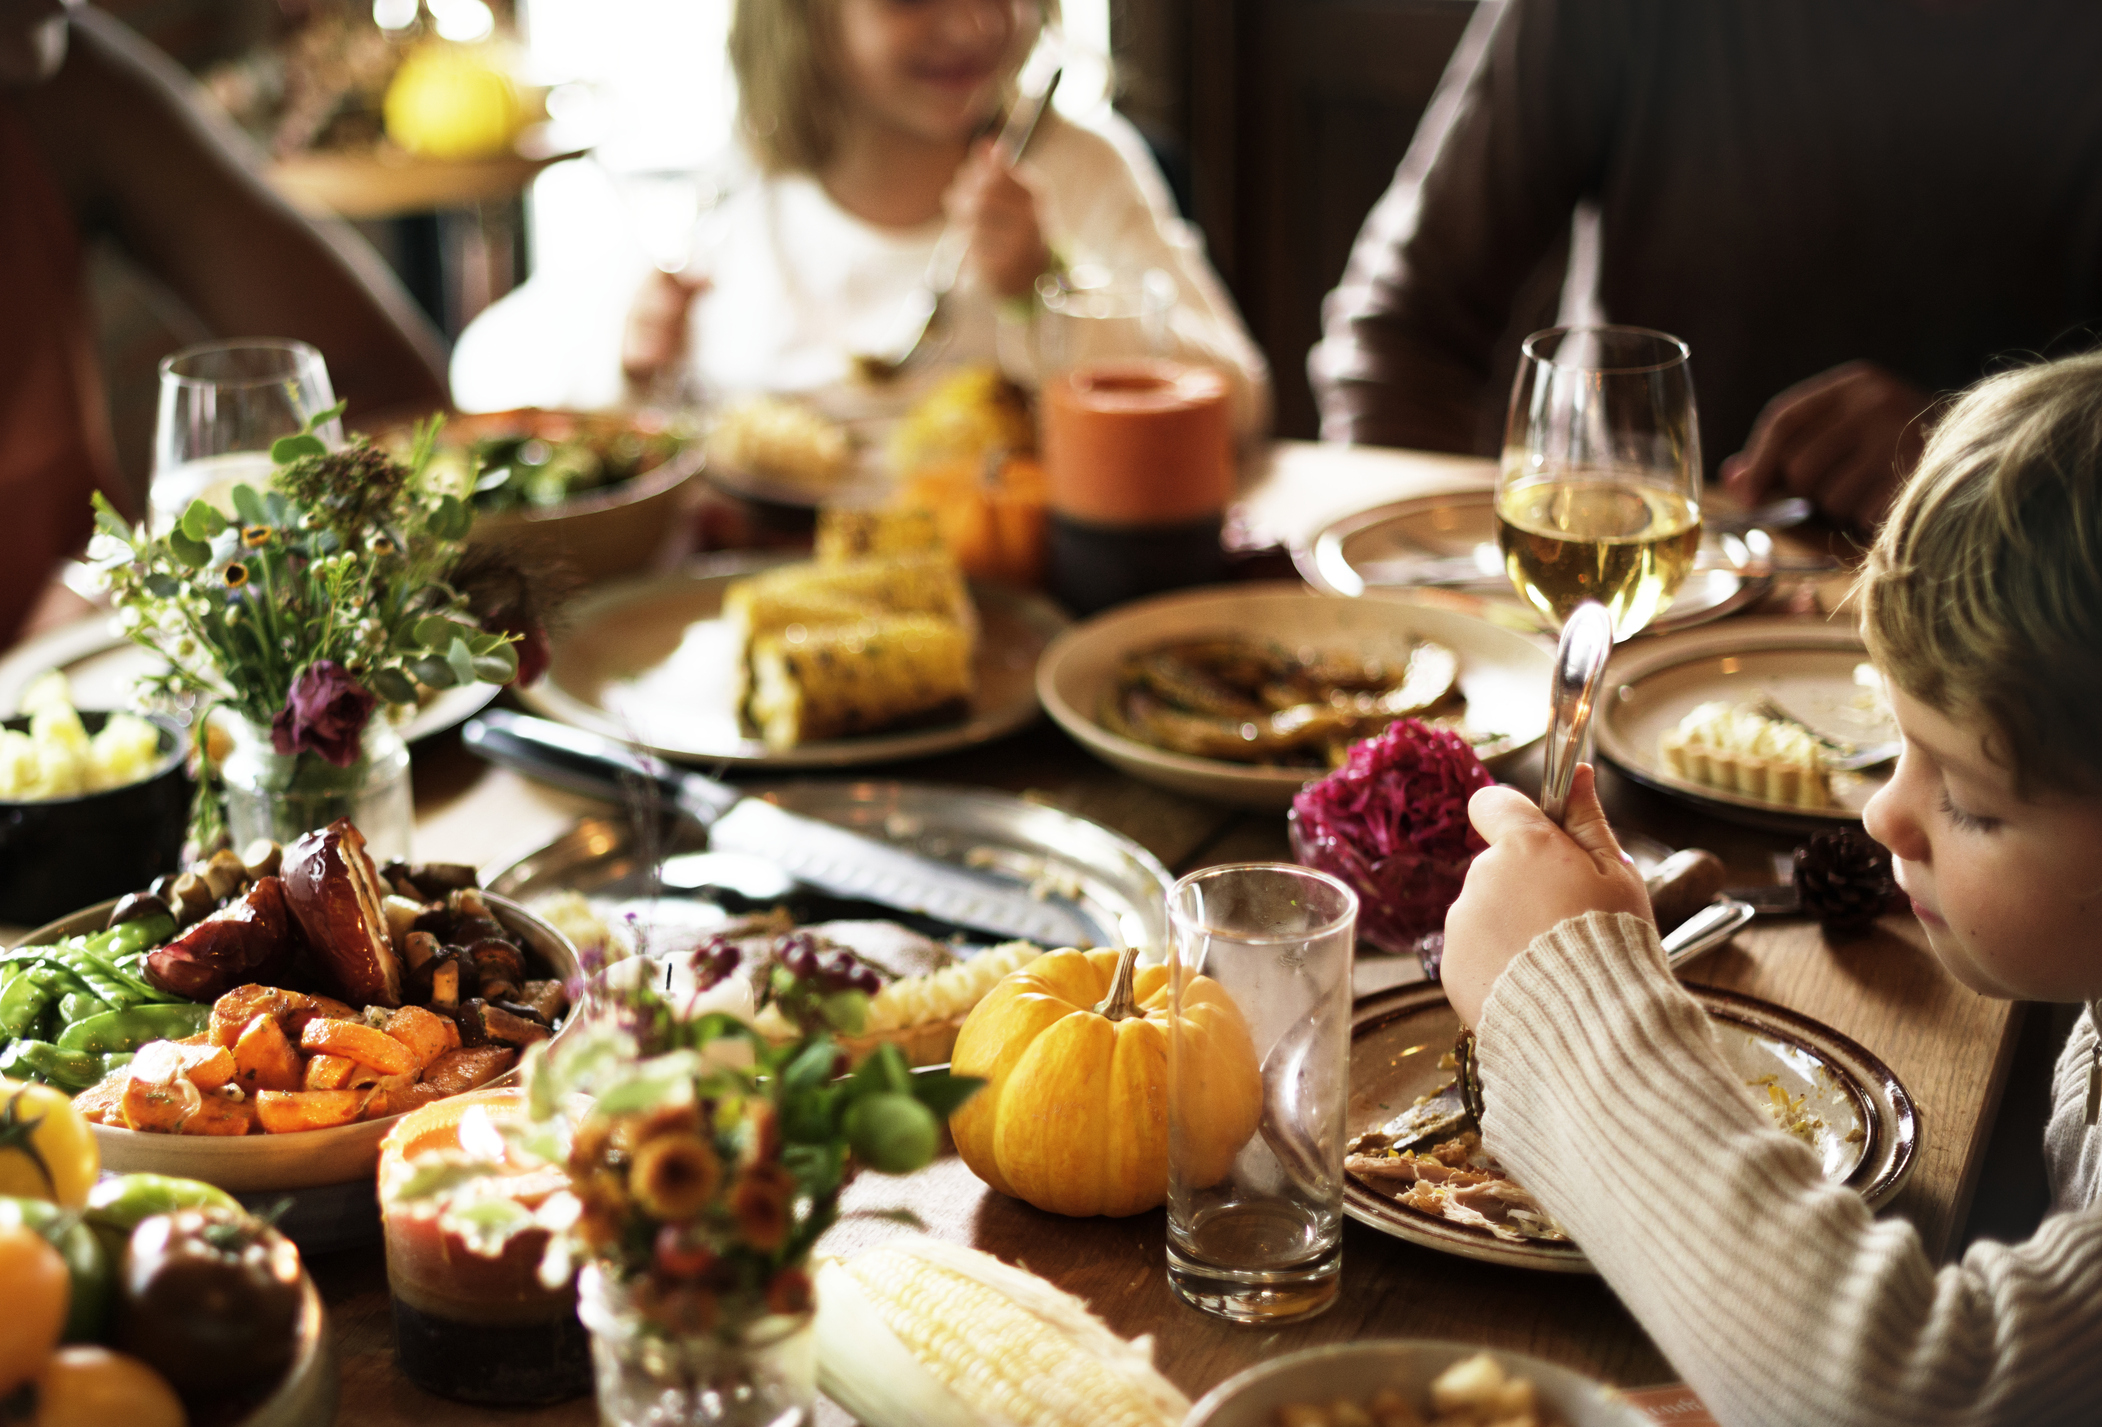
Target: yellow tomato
(46, 1149)
(94, 1387)
(33, 1285)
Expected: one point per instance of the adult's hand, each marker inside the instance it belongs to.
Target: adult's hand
(1846, 438)
(1533, 877)
(654, 341)
(997, 208)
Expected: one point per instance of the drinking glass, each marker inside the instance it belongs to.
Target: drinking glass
(1599, 495)
(1090, 314)
(1258, 1075)
(221, 406)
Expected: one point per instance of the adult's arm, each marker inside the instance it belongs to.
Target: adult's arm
(1514, 136)
(177, 186)
(1776, 1294)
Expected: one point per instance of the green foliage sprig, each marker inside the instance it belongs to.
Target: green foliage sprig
(344, 560)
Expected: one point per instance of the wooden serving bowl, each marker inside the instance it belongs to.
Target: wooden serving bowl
(307, 1159)
(615, 531)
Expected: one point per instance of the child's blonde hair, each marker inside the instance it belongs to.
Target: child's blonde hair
(790, 91)
(1982, 596)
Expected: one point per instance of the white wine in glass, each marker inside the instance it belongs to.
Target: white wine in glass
(221, 407)
(1599, 495)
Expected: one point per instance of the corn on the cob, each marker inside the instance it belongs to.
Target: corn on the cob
(891, 584)
(836, 680)
(916, 1331)
(844, 535)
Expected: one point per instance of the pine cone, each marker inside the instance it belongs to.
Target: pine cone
(1844, 880)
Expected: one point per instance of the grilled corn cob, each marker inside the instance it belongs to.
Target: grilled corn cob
(895, 584)
(844, 535)
(916, 1331)
(835, 680)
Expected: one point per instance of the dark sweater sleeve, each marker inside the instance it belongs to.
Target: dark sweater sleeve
(1514, 137)
(1776, 1294)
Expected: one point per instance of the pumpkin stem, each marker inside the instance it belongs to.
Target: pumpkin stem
(1120, 1004)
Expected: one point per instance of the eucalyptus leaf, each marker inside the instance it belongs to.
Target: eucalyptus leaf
(106, 516)
(393, 686)
(811, 1068)
(498, 668)
(944, 1093)
(892, 1071)
(432, 672)
(287, 449)
(460, 661)
(249, 504)
(191, 552)
(482, 644)
(322, 418)
(280, 509)
(162, 586)
(451, 520)
(201, 521)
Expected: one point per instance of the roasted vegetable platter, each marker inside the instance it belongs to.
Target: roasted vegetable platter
(277, 990)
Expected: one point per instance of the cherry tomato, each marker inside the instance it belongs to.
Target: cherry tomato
(46, 1148)
(94, 1387)
(33, 1285)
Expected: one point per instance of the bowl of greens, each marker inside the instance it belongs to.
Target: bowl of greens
(602, 492)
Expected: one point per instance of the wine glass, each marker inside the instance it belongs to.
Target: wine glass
(221, 405)
(1599, 495)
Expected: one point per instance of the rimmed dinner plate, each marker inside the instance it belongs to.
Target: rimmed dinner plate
(652, 662)
(1503, 674)
(1812, 670)
(1867, 1132)
(103, 667)
(1112, 882)
(1374, 549)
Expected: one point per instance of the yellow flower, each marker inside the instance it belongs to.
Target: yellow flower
(236, 574)
(382, 545)
(760, 1205)
(675, 1175)
(254, 536)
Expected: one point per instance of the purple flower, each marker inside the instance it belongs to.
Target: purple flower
(326, 714)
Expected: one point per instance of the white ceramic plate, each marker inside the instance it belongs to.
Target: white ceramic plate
(651, 662)
(1809, 668)
(1372, 549)
(1504, 674)
(103, 667)
(1867, 1132)
(1358, 1370)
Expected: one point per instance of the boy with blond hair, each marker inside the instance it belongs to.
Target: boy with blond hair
(1775, 1293)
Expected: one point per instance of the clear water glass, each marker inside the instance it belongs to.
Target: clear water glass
(221, 405)
(1256, 1127)
(1089, 314)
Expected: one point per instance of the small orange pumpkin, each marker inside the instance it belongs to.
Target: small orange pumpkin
(1074, 1115)
(990, 514)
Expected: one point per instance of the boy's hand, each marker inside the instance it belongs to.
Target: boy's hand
(1533, 876)
(997, 208)
(654, 341)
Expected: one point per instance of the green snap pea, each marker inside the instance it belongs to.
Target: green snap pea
(79, 1006)
(102, 980)
(22, 1004)
(128, 1030)
(69, 1070)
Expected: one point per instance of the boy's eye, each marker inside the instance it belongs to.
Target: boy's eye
(1969, 822)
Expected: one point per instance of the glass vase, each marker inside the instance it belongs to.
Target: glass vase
(762, 1375)
(279, 796)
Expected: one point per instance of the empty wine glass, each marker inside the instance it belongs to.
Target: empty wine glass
(221, 405)
(1599, 495)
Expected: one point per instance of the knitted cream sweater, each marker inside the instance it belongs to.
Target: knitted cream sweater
(1777, 1296)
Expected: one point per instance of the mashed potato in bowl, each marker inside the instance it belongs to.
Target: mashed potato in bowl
(56, 756)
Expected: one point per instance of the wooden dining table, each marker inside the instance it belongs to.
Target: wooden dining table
(1949, 1046)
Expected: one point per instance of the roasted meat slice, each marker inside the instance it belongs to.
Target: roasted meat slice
(334, 891)
(231, 946)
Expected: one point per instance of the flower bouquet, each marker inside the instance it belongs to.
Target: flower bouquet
(703, 1163)
(338, 590)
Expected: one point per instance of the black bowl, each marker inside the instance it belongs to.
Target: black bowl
(61, 853)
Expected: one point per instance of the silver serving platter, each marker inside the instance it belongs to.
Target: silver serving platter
(1116, 885)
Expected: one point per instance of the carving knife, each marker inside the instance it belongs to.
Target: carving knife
(813, 851)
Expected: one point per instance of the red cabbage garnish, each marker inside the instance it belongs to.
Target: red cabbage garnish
(1392, 823)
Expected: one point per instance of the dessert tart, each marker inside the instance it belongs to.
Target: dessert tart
(1736, 748)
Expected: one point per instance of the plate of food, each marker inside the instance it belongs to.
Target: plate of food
(747, 659)
(103, 668)
(1244, 693)
(601, 492)
(1450, 540)
(258, 1021)
(1758, 721)
(1819, 1086)
(785, 450)
(1412, 1380)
